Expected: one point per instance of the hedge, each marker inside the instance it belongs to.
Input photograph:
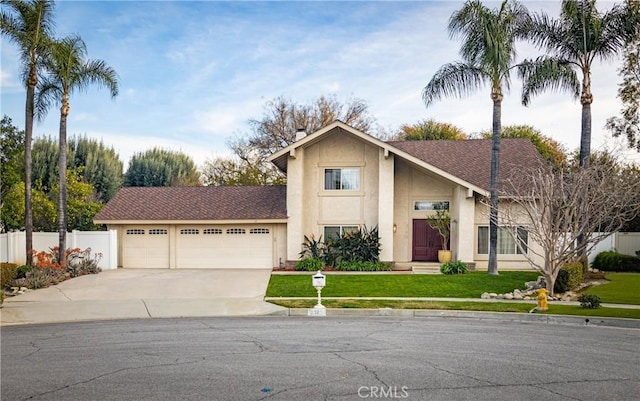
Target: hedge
(612, 261)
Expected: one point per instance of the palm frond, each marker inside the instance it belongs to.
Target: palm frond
(547, 73)
(454, 79)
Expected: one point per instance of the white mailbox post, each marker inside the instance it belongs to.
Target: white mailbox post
(318, 281)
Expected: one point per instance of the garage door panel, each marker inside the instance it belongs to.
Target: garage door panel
(224, 247)
(146, 247)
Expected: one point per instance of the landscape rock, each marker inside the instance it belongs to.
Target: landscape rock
(485, 295)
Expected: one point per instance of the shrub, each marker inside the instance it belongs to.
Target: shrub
(23, 270)
(457, 267)
(612, 261)
(312, 247)
(361, 245)
(309, 264)
(589, 301)
(8, 273)
(569, 277)
(80, 263)
(364, 266)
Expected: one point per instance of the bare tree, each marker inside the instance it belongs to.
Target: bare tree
(555, 206)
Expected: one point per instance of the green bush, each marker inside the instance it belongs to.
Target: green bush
(457, 267)
(309, 264)
(612, 261)
(8, 273)
(569, 277)
(361, 245)
(364, 266)
(589, 301)
(23, 270)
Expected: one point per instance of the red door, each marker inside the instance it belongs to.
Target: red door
(426, 242)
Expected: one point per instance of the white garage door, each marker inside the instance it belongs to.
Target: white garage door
(219, 247)
(146, 247)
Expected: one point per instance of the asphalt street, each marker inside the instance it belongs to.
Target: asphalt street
(318, 358)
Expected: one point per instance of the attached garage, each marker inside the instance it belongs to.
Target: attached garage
(198, 227)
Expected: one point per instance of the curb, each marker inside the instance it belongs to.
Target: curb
(495, 316)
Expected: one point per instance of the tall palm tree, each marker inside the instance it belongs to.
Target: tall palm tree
(488, 56)
(68, 70)
(29, 24)
(573, 42)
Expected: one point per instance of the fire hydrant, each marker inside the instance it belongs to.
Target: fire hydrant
(542, 299)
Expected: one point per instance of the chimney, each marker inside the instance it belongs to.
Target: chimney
(300, 134)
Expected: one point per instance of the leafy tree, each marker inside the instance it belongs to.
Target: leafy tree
(549, 148)
(488, 53)
(13, 210)
(573, 42)
(224, 171)
(101, 165)
(161, 168)
(44, 163)
(430, 130)
(29, 24)
(11, 156)
(82, 205)
(628, 123)
(68, 70)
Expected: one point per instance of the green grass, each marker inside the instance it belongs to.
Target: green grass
(623, 288)
(470, 306)
(470, 285)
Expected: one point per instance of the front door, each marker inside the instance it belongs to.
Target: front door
(426, 242)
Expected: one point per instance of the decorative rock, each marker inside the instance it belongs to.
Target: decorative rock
(527, 298)
(500, 296)
(485, 295)
(517, 296)
(493, 295)
(23, 289)
(508, 296)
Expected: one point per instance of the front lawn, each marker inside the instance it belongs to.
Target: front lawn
(623, 288)
(470, 285)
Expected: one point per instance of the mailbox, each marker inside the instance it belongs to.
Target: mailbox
(319, 280)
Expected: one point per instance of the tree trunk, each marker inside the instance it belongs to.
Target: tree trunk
(495, 167)
(585, 135)
(28, 133)
(62, 196)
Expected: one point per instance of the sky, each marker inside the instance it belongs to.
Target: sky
(193, 73)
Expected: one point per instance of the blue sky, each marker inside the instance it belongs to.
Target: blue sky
(193, 73)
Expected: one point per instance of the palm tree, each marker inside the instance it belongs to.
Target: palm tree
(68, 70)
(29, 24)
(488, 53)
(573, 42)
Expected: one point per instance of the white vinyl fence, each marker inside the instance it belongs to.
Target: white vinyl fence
(13, 244)
(627, 243)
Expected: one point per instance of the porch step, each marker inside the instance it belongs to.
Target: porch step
(420, 267)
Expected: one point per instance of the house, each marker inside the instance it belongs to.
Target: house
(338, 178)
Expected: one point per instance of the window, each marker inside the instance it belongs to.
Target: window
(342, 179)
(259, 231)
(135, 231)
(430, 205)
(337, 231)
(209, 231)
(189, 231)
(506, 243)
(236, 231)
(158, 231)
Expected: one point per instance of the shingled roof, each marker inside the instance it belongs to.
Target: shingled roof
(196, 203)
(470, 159)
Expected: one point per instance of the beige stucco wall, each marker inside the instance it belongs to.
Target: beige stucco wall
(313, 207)
(505, 262)
(415, 184)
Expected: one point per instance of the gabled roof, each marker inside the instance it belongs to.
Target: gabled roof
(470, 159)
(465, 162)
(166, 204)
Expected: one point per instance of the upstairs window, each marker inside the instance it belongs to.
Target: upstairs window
(342, 179)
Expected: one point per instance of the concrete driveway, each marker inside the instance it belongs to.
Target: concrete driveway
(144, 293)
